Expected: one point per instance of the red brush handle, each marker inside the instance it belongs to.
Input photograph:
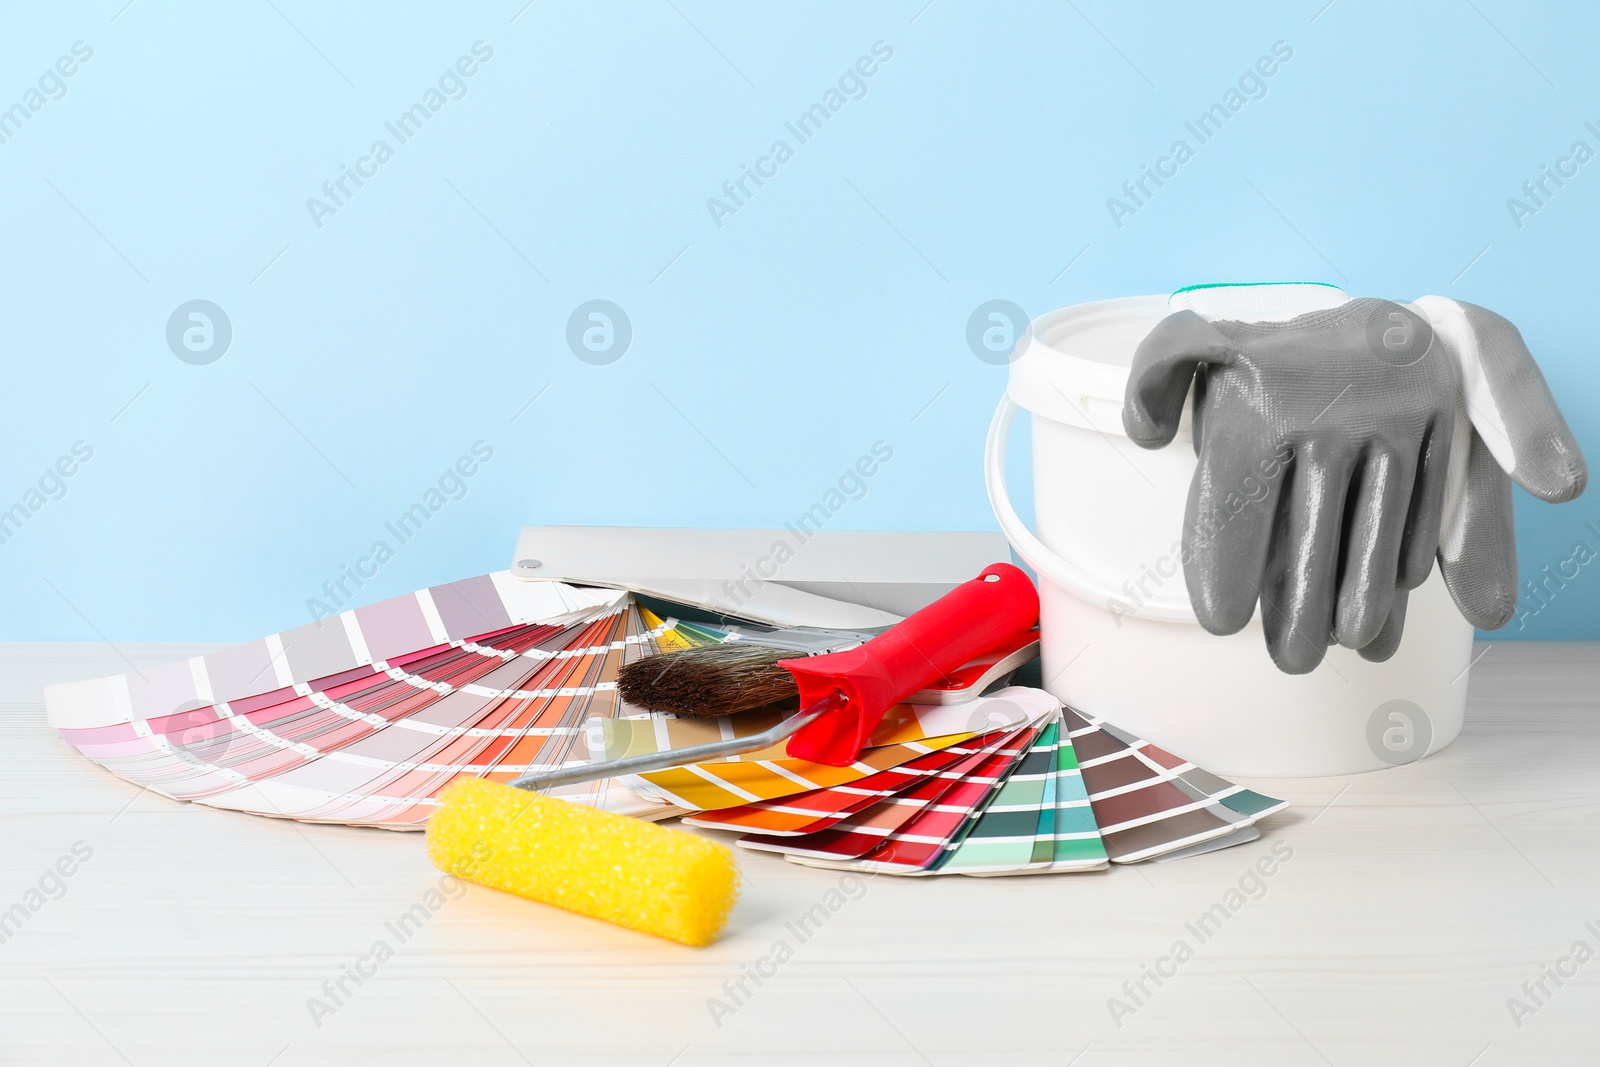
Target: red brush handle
(917, 651)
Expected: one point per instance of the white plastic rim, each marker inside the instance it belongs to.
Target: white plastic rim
(1087, 586)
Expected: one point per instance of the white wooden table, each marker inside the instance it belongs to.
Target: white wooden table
(1417, 902)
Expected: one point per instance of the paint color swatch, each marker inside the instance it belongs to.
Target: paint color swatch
(1061, 792)
(1150, 802)
(938, 819)
(818, 809)
(916, 813)
(1025, 829)
(364, 717)
(908, 731)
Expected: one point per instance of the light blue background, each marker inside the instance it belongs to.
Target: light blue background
(769, 353)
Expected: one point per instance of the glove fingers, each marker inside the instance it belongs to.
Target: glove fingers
(1298, 596)
(1420, 543)
(1478, 553)
(1387, 642)
(1509, 400)
(1228, 526)
(1379, 491)
(1163, 366)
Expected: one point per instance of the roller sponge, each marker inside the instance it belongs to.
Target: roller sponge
(662, 881)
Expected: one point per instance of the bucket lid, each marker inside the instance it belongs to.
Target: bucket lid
(1073, 364)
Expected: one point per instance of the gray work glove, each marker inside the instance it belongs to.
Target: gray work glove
(1339, 451)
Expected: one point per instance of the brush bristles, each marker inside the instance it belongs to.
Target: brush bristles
(709, 681)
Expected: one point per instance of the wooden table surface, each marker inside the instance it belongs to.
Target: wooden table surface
(1414, 905)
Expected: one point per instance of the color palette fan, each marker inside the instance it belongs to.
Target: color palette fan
(362, 718)
(1058, 792)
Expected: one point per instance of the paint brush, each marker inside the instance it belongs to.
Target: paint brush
(997, 609)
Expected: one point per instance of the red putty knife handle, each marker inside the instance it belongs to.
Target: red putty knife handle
(964, 623)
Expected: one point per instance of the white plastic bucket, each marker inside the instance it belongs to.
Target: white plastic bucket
(1118, 636)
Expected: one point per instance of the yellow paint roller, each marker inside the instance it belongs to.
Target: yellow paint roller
(637, 874)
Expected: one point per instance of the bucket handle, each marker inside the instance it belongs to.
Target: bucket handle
(1083, 584)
